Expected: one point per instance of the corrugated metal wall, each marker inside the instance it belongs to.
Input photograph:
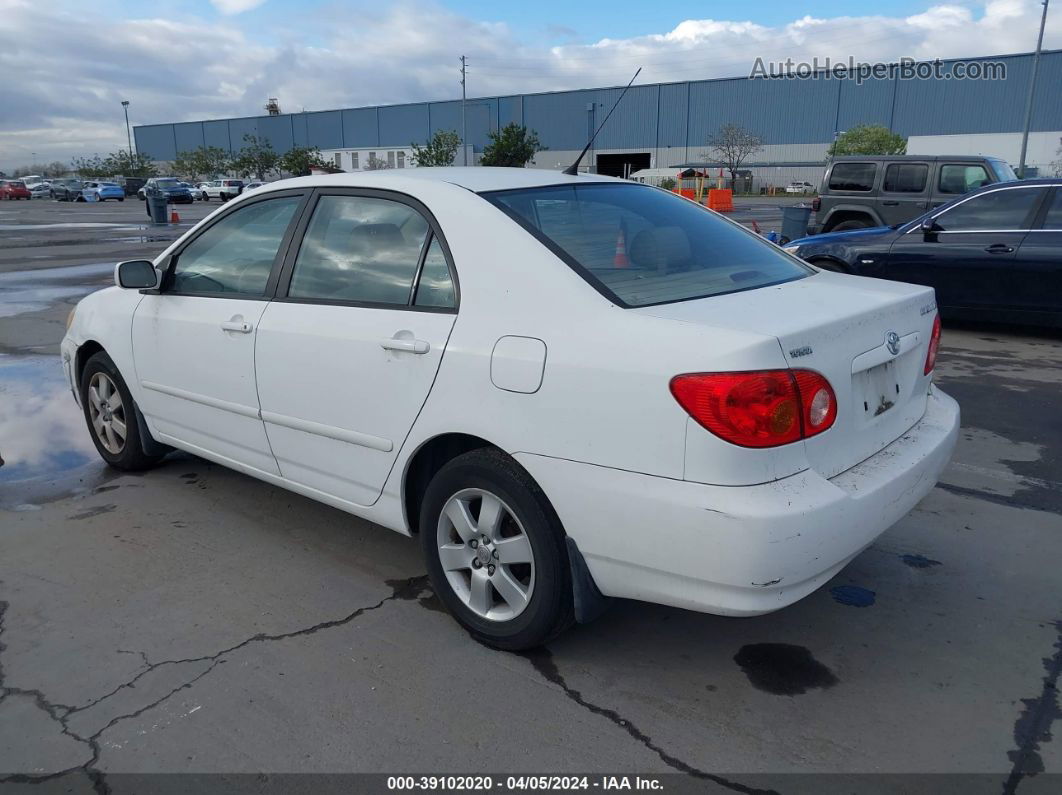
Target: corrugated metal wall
(679, 116)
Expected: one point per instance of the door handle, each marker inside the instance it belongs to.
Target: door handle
(406, 345)
(239, 326)
(999, 248)
(890, 203)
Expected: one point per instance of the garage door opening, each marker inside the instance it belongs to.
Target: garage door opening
(622, 165)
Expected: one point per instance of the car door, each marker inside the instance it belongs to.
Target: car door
(193, 341)
(904, 192)
(968, 255)
(348, 351)
(955, 179)
(1038, 262)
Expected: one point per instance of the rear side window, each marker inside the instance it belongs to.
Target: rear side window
(957, 178)
(640, 245)
(1053, 220)
(994, 211)
(360, 249)
(853, 176)
(236, 254)
(435, 287)
(905, 177)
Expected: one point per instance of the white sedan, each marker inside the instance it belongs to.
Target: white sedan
(569, 387)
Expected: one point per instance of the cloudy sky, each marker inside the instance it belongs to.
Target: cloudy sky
(67, 64)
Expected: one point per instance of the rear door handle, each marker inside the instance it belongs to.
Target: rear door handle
(890, 203)
(999, 248)
(239, 326)
(406, 345)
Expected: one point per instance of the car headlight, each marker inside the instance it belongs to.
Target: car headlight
(794, 250)
(70, 318)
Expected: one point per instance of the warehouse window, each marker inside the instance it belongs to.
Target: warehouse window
(853, 176)
(906, 178)
(354, 161)
(401, 159)
(390, 159)
(339, 163)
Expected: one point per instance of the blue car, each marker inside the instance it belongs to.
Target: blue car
(992, 254)
(102, 192)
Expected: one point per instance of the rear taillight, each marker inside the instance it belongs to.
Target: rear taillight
(765, 408)
(816, 203)
(934, 343)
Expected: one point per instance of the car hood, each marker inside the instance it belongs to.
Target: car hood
(850, 236)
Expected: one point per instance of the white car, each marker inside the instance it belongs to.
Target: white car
(198, 192)
(223, 189)
(569, 387)
(799, 187)
(40, 190)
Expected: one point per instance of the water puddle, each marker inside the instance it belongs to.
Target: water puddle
(34, 290)
(80, 225)
(44, 442)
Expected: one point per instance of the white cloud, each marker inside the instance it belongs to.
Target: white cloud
(66, 71)
(235, 6)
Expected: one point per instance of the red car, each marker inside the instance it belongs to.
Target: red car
(13, 189)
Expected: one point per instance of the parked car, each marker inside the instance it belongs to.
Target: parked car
(102, 191)
(14, 189)
(252, 186)
(704, 421)
(799, 187)
(994, 254)
(861, 192)
(224, 189)
(66, 189)
(40, 190)
(175, 191)
(195, 190)
(131, 185)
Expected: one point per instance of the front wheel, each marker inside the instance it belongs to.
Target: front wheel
(854, 223)
(495, 551)
(121, 198)
(111, 416)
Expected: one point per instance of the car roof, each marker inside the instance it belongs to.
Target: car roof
(904, 158)
(476, 178)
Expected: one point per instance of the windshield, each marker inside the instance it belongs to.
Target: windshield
(1004, 173)
(640, 245)
(168, 183)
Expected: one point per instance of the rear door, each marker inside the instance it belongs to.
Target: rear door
(348, 351)
(904, 192)
(969, 256)
(193, 342)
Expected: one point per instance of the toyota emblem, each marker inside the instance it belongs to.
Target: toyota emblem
(892, 342)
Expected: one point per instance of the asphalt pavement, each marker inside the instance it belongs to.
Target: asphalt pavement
(192, 620)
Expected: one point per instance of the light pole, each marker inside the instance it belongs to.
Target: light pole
(128, 135)
(1029, 99)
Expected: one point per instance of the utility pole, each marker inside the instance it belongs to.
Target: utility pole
(128, 135)
(1032, 90)
(464, 147)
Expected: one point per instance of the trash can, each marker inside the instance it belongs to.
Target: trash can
(156, 207)
(795, 220)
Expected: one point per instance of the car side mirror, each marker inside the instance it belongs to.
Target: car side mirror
(136, 274)
(929, 226)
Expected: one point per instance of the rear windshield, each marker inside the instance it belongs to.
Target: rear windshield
(640, 245)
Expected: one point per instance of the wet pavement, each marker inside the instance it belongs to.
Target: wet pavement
(191, 619)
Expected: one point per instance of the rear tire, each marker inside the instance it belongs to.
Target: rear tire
(506, 581)
(111, 416)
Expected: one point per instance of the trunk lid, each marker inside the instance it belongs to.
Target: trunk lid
(840, 326)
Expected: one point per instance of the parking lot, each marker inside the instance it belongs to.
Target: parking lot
(195, 620)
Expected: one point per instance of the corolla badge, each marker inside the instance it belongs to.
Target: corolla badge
(892, 342)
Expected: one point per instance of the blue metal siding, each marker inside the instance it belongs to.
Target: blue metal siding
(676, 116)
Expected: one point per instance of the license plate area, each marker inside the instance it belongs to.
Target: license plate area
(878, 390)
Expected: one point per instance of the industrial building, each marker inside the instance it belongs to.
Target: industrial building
(665, 125)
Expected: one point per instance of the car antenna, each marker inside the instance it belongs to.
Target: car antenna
(573, 169)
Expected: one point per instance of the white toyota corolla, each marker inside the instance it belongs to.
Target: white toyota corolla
(570, 387)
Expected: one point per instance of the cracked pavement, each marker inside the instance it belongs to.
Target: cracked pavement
(193, 620)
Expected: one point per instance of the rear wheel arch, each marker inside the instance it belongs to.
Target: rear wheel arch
(429, 458)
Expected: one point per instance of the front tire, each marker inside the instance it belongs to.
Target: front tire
(111, 415)
(495, 551)
(854, 223)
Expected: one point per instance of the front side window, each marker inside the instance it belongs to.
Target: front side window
(236, 254)
(959, 179)
(853, 176)
(997, 210)
(360, 249)
(905, 178)
(1053, 220)
(640, 245)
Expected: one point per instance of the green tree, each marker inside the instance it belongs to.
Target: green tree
(257, 157)
(127, 165)
(868, 139)
(512, 145)
(732, 145)
(205, 161)
(667, 183)
(88, 167)
(375, 164)
(439, 151)
(300, 159)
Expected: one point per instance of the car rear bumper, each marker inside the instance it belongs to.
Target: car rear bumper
(741, 550)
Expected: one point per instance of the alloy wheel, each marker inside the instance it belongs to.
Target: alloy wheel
(107, 413)
(486, 555)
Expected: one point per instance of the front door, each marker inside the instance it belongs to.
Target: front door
(968, 256)
(348, 351)
(193, 343)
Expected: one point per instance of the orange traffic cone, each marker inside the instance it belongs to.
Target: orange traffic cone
(174, 218)
(620, 260)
